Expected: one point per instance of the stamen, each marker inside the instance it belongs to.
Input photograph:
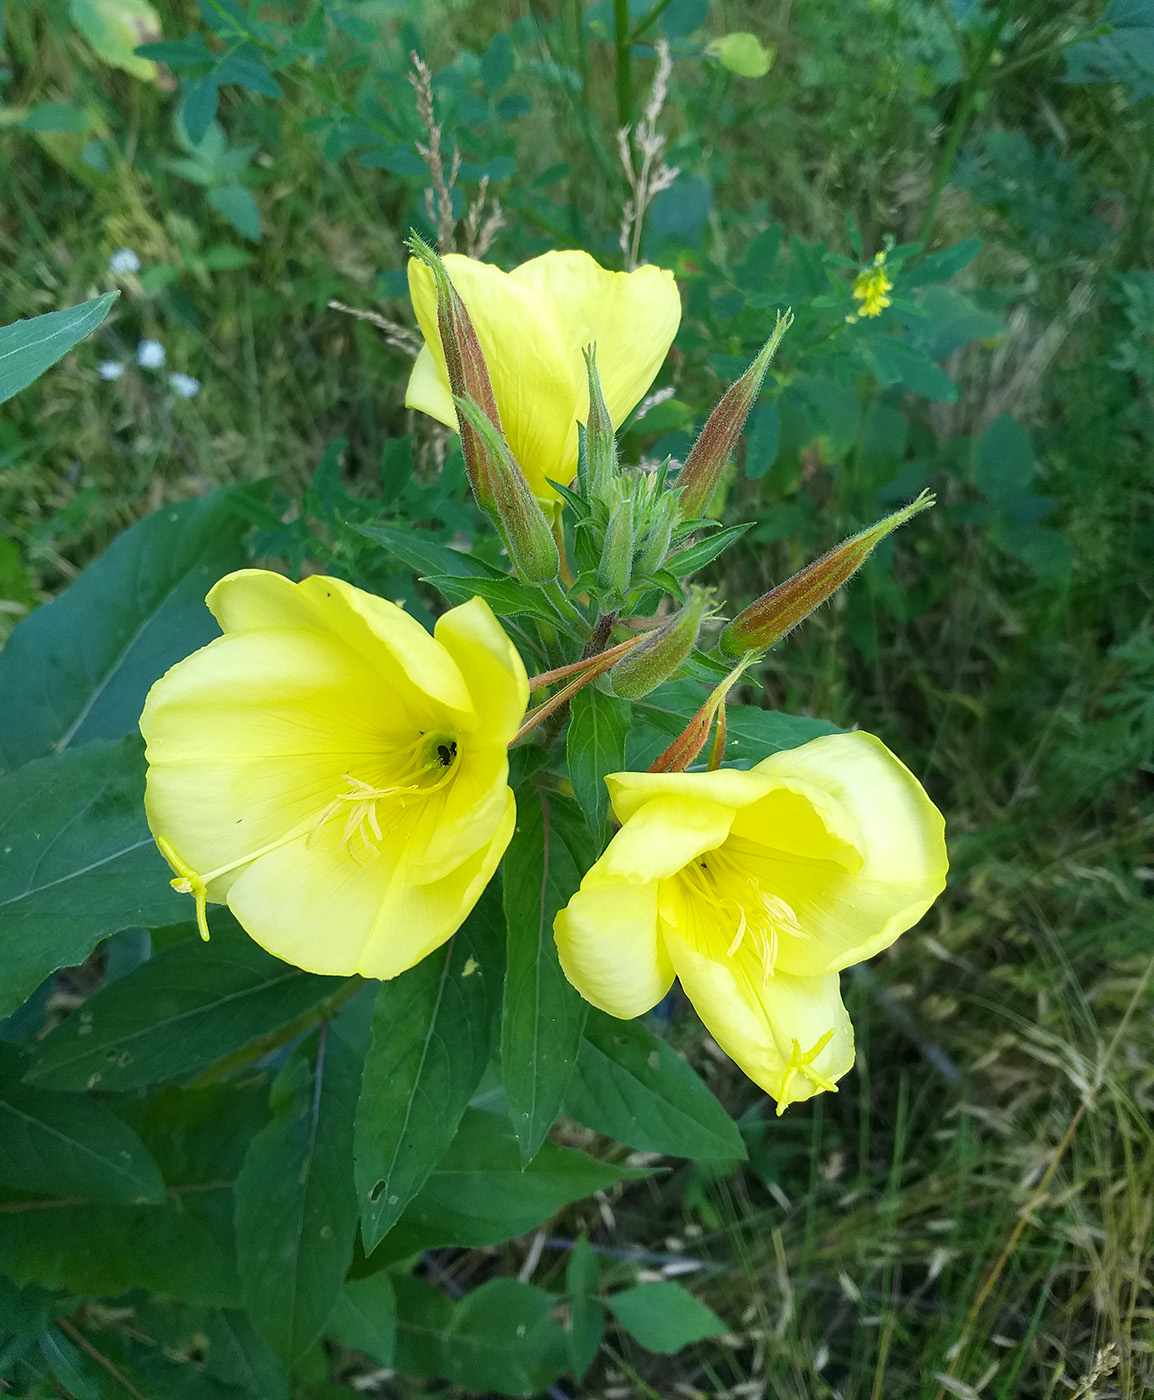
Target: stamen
(751, 910)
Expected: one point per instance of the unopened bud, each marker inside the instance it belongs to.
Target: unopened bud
(616, 564)
(600, 464)
(510, 503)
(768, 619)
(655, 547)
(657, 659)
(714, 447)
(466, 367)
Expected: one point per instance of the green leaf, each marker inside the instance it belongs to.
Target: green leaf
(189, 1005)
(28, 348)
(365, 1318)
(236, 204)
(898, 362)
(505, 596)
(83, 664)
(78, 862)
(763, 440)
(543, 1014)
(425, 556)
(942, 265)
(480, 1192)
(296, 1209)
(1004, 460)
(586, 1311)
(238, 1356)
(114, 28)
(742, 53)
(631, 1086)
(25, 1310)
(70, 1145)
(595, 745)
(753, 734)
(498, 1340)
(664, 1317)
(433, 1033)
(688, 561)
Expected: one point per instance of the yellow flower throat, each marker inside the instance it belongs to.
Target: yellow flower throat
(411, 773)
(736, 897)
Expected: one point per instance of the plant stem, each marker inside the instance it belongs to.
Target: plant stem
(624, 60)
(973, 85)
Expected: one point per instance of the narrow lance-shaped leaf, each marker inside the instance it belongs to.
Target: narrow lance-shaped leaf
(433, 1033)
(543, 1014)
(28, 348)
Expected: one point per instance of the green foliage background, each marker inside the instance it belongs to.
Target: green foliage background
(971, 1214)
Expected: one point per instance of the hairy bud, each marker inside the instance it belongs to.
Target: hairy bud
(600, 456)
(714, 447)
(615, 568)
(768, 619)
(658, 658)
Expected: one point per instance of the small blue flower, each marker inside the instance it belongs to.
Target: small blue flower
(184, 385)
(124, 261)
(110, 369)
(150, 354)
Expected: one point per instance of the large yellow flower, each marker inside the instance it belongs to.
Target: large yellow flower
(755, 889)
(532, 324)
(332, 772)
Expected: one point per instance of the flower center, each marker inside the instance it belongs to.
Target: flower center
(741, 906)
(411, 774)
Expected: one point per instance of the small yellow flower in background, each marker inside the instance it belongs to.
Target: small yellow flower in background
(532, 324)
(755, 889)
(870, 288)
(333, 773)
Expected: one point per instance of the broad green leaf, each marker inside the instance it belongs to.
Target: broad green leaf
(586, 1311)
(189, 1005)
(433, 1033)
(28, 348)
(688, 561)
(183, 1249)
(114, 28)
(1004, 460)
(742, 53)
(25, 1310)
(753, 734)
(79, 668)
(365, 1318)
(898, 362)
(78, 862)
(296, 1209)
(630, 1085)
(499, 1339)
(664, 1317)
(238, 1356)
(425, 556)
(543, 1014)
(942, 265)
(481, 1194)
(237, 205)
(505, 596)
(71, 1145)
(595, 745)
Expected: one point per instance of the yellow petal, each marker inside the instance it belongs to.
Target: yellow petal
(726, 787)
(631, 316)
(662, 837)
(498, 685)
(313, 906)
(851, 914)
(609, 946)
(417, 674)
(445, 829)
(535, 377)
(428, 390)
(758, 1021)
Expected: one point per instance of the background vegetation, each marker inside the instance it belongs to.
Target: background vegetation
(971, 1214)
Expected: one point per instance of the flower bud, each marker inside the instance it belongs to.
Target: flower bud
(467, 370)
(714, 447)
(600, 464)
(616, 564)
(768, 619)
(510, 503)
(655, 546)
(657, 659)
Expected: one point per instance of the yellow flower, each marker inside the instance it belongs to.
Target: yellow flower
(755, 889)
(533, 323)
(333, 773)
(870, 288)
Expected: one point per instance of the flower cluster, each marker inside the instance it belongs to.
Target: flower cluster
(340, 778)
(871, 287)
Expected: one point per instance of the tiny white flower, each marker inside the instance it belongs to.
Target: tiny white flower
(150, 354)
(184, 385)
(124, 261)
(110, 369)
